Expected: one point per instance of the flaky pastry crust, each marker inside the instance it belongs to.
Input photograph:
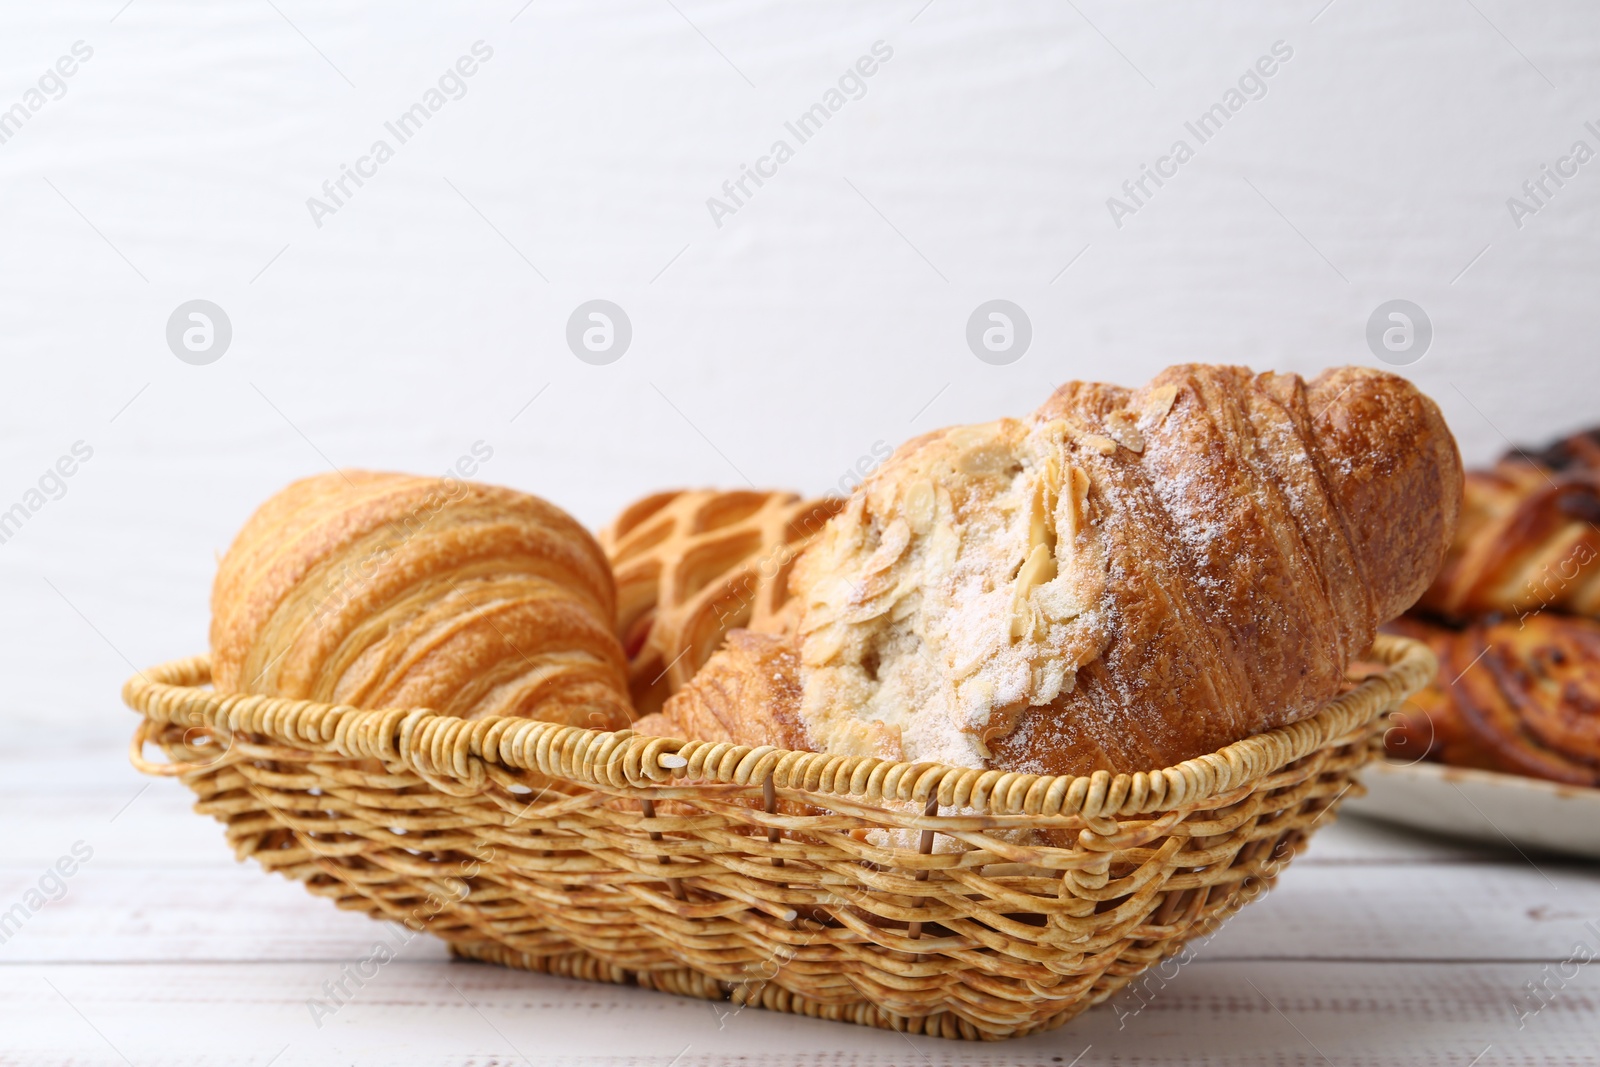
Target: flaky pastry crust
(1122, 580)
(1517, 696)
(391, 590)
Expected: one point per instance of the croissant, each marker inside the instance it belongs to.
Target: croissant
(753, 678)
(1520, 697)
(390, 590)
(1122, 580)
(692, 565)
(1529, 532)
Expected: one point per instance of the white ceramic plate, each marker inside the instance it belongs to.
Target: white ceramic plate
(1485, 806)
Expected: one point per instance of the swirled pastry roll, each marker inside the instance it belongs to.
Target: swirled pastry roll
(1522, 697)
(1529, 540)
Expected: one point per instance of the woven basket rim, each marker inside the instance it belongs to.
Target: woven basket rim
(454, 753)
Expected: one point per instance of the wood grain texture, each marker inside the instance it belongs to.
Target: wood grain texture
(1223, 1014)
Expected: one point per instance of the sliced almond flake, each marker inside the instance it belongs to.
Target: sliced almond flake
(896, 537)
(822, 646)
(1123, 427)
(1101, 444)
(1066, 428)
(1022, 620)
(1042, 504)
(920, 506)
(1159, 402)
(1074, 508)
(1057, 430)
(1038, 568)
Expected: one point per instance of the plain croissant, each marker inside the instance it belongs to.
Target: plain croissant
(390, 590)
(1123, 580)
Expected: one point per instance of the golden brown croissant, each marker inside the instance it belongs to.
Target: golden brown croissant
(690, 565)
(1520, 697)
(1528, 537)
(1123, 580)
(390, 590)
(755, 677)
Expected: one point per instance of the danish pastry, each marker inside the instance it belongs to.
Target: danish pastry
(1521, 697)
(1528, 539)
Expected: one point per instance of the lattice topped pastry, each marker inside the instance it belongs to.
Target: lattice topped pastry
(692, 564)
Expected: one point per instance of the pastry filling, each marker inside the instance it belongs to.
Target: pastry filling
(961, 585)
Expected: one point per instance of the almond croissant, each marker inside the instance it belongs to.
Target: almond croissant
(1122, 580)
(390, 590)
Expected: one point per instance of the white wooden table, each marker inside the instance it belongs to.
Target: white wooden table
(1378, 947)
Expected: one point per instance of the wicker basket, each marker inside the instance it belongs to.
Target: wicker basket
(831, 886)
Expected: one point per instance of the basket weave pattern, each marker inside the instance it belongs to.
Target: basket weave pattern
(839, 887)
